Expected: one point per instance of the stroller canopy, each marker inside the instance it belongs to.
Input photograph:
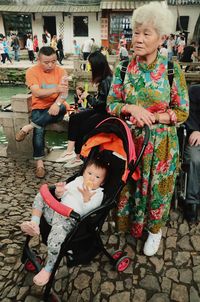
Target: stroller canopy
(113, 134)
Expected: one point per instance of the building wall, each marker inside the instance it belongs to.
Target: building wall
(66, 28)
(2, 31)
(192, 12)
(93, 31)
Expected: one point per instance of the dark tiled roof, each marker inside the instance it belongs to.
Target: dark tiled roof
(49, 8)
(184, 2)
(127, 4)
(50, 2)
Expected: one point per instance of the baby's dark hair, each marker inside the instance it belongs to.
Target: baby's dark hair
(80, 88)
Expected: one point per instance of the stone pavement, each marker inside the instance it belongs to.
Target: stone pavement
(171, 275)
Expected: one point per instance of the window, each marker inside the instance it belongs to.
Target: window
(120, 24)
(80, 26)
(17, 23)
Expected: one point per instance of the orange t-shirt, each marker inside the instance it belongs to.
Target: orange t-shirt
(36, 76)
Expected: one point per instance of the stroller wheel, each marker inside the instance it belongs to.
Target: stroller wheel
(30, 267)
(122, 263)
(117, 254)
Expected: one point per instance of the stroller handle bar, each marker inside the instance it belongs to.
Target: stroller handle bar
(133, 165)
(54, 204)
(147, 135)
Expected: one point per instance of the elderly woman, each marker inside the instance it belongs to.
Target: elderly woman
(145, 97)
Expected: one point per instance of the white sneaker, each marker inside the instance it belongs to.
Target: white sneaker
(152, 243)
(65, 157)
(74, 162)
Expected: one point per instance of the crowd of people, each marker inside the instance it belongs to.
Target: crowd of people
(145, 96)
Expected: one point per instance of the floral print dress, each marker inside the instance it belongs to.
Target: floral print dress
(148, 86)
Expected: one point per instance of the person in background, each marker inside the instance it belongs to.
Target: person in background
(35, 45)
(78, 101)
(83, 122)
(192, 156)
(83, 194)
(189, 53)
(122, 39)
(145, 97)
(2, 52)
(123, 52)
(77, 49)
(49, 86)
(44, 40)
(86, 50)
(48, 38)
(94, 46)
(163, 50)
(15, 47)
(60, 53)
(53, 43)
(180, 47)
(6, 50)
(104, 51)
(29, 47)
(170, 46)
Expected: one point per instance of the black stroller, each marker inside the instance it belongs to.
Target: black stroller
(112, 138)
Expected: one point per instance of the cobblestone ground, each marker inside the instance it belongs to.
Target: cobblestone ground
(171, 275)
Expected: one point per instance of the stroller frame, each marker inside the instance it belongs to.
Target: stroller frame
(181, 181)
(87, 228)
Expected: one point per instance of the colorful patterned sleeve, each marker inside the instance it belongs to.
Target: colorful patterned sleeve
(179, 95)
(115, 100)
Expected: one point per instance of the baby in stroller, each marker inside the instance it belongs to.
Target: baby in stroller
(83, 194)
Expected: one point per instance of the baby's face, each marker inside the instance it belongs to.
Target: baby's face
(93, 177)
(78, 92)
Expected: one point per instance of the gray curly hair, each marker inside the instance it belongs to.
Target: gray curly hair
(156, 14)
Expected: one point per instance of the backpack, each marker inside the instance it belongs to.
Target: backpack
(170, 71)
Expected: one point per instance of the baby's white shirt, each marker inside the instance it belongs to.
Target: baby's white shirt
(74, 199)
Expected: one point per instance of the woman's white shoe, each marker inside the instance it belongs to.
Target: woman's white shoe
(152, 243)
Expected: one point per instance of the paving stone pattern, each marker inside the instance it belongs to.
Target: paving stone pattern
(173, 274)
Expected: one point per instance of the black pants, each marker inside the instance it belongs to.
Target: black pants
(60, 55)
(81, 123)
(192, 159)
(31, 55)
(85, 56)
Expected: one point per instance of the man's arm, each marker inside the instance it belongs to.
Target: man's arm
(194, 138)
(45, 92)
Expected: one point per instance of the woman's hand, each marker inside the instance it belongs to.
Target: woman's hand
(86, 193)
(60, 189)
(141, 115)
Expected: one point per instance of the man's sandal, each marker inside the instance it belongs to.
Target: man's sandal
(40, 172)
(21, 135)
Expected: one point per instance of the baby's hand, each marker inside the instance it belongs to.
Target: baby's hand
(60, 189)
(86, 193)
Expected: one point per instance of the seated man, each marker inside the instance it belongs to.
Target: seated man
(192, 156)
(49, 86)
